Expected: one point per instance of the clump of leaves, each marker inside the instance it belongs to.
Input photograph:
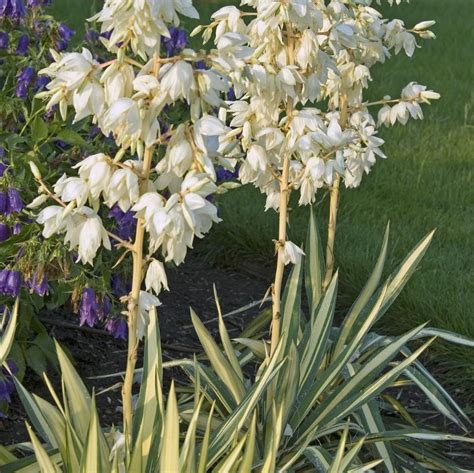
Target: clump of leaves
(327, 400)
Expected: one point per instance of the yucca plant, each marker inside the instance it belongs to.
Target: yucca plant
(327, 400)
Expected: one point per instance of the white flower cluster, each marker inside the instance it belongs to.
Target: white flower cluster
(293, 55)
(166, 187)
(141, 23)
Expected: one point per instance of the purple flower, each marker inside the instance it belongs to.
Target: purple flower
(62, 145)
(177, 41)
(22, 47)
(231, 95)
(10, 283)
(24, 81)
(119, 286)
(4, 232)
(106, 307)
(91, 36)
(41, 83)
(15, 203)
(7, 385)
(4, 40)
(106, 34)
(38, 3)
(17, 228)
(49, 115)
(126, 222)
(117, 327)
(224, 175)
(15, 9)
(65, 32)
(3, 203)
(89, 311)
(38, 285)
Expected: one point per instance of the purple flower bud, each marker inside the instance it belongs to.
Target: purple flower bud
(4, 40)
(49, 115)
(4, 232)
(3, 168)
(231, 95)
(118, 328)
(200, 65)
(15, 203)
(177, 41)
(89, 311)
(22, 47)
(17, 228)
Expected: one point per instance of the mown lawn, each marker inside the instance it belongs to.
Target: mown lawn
(426, 183)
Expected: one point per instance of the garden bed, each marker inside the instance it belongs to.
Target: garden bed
(96, 353)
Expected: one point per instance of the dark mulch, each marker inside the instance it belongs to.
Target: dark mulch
(96, 353)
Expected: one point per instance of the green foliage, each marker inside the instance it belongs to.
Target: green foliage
(326, 405)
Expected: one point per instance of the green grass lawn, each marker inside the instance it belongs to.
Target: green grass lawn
(426, 183)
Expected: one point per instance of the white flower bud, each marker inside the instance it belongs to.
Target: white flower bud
(35, 171)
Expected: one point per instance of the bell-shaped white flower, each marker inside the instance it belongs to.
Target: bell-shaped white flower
(72, 189)
(156, 277)
(123, 120)
(151, 207)
(292, 253)
(124, 188)
(118, 81)
(177, 80)
(97, 171)
(52, 219)
(86, 232)
(146, 302)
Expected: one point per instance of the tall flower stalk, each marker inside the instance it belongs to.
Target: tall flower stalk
(300, 111)
(163, 171)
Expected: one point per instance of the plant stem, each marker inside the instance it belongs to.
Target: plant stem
(134, 298)
(280, 266)
(283, 217)
(334, 206)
